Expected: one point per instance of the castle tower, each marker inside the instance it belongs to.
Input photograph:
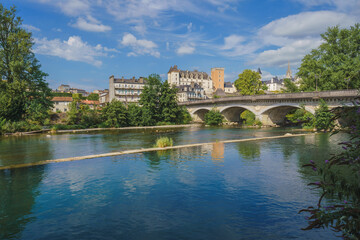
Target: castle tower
(217, 76)
(288, 72)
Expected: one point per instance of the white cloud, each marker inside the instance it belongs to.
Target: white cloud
(140, 46)
(74, 49)
(185, 49)
(31, 28)
(90, 24)
(293, 52)
(306, 24)
(232, 41)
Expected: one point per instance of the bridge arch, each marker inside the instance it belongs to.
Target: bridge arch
(276, 115)
(232, 113)
(198, 115)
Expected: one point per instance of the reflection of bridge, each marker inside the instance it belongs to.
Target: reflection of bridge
(269, 109)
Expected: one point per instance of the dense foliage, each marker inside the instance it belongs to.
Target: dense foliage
(324, 118)
(214, 118)
(249, 83)
(301, 116)
(340, 182)
(115, 115)
(93, 97)
(24, 94)
(335, 64)
(290, 86)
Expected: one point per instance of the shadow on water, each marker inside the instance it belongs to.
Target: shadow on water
(18, 192)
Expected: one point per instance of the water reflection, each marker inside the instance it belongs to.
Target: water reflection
(18, 192)
(249, 150)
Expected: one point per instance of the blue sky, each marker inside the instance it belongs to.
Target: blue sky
(83, 42)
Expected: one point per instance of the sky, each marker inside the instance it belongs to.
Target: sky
(84, 42)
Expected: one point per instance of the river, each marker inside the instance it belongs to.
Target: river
(247, 190)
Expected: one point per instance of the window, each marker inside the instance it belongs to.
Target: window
(65, 109)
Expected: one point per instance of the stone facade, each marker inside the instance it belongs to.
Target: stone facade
(177, 77)
(61, 104)
(229, 87)
(126, 90)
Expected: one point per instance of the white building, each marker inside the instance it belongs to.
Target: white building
(61, 104)
(177, 77)
(274, 84)
(229, 87)
(126, 90)
(192, 92)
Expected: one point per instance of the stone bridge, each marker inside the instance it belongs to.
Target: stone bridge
(270, 109)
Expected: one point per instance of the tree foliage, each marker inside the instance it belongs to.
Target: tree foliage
(23, 90)
(324, 118)
(301, 116)
(115, 114)
(214, 117)
(290, 86)
(93, 97)
(150, 100)
(340, 183)
(249, 83)
(335, 64)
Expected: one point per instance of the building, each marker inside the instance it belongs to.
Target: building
(274, 84)
(288, 72)
(177, 77)
(217, 76)
(79, 91)
(91, 103)
(126, 90)
(192, 92)
(229, 87)
(64, 88)
(104, 98)
(61, 104)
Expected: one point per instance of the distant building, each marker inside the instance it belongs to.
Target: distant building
(91, 103)
(61, 104)
(126, 90)
(64, 88)
(217, 76)
(274, 84)
(177, 77)
(104, 97)
(79, 91)
(192, 92)
(288, 72)
(229, 87)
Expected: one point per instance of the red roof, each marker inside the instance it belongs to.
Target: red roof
(62, 99)
(90, 102)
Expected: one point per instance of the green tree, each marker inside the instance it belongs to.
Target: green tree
(23, 90)
(150, 100)
(169, 108)
(301, 116)
(134, 114)
(115, 114)
(214, 117)
(249, 83)
(93, 97)
(290, 86)
(324, 118)
(335, 64)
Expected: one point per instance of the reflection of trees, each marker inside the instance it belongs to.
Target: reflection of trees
(18, 191)
(249, 150)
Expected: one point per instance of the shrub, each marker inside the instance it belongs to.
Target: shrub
(214, 117)
(248, 117)
(303, 117)
(164, 142)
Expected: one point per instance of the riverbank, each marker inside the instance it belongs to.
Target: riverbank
(142, 150)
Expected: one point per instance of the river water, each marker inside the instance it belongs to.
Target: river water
(247, 190)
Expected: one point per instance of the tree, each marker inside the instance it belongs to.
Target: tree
(335, 64)
(150, 100)
(301, 116)
(214, 117)
(323, 117)
(115, 114)
(134, 114)
(289, 86)
(169, 108)
(93, 97)
(249, 83)
(23, 90)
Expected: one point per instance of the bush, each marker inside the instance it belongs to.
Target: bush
(164, 142)
(303, 117)
(115, 114)
(248, 117)
(19, 126)
(214, 118)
